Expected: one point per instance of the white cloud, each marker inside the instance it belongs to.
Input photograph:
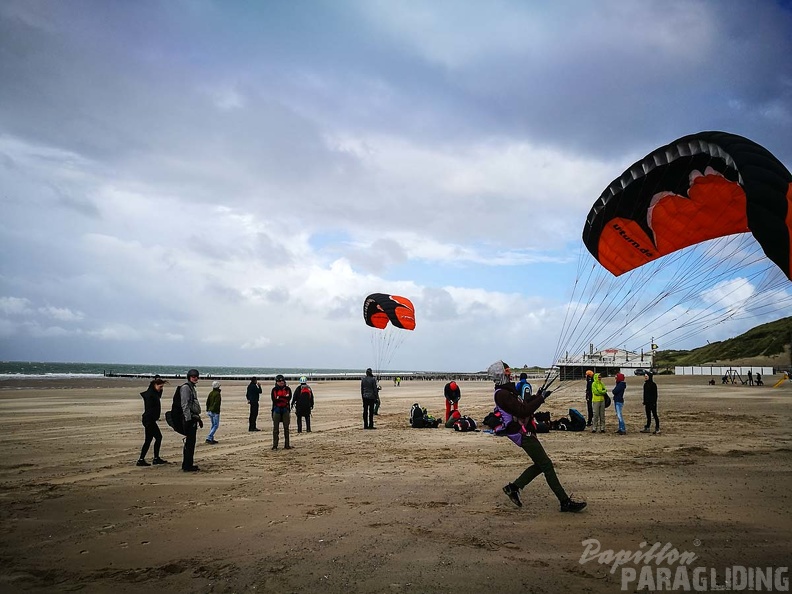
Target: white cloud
(15, 306)
(221, 201)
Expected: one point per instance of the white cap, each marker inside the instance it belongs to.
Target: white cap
(215, 385)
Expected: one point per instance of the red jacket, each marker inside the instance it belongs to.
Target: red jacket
(281, 396)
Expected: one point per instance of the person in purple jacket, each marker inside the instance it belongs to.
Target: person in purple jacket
(519, 426)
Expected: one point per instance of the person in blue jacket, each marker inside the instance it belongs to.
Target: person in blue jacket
(618, 402)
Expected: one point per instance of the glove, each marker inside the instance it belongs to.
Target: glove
(545, 394)
(200, 423)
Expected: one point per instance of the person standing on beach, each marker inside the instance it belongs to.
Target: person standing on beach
(589, 408)
(452, 395)
(303, 403)
(618, 402)
(650, 402)
(281, 405)
(519, 426)
(598, 393)
(523, 385)
(191, 409)
(213, 410)
(151, 414)
(369, 390)
(253, 394)
(377, 402)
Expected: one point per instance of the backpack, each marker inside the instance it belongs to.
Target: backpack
(175, 416)
(465, 424)
(430, 421)
(416, 416)
(542, 417)
(577, 420)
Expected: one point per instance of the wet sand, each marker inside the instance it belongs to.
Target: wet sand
(391, 510)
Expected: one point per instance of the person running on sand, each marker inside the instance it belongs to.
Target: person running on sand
(151, 414)
(517, 417)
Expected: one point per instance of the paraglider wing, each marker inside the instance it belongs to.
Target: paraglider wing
(380, 308)
(699, 187)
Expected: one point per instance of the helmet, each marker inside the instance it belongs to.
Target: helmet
(453, 385)
(619, 377)
(589, 373)
(279, 378)
(303, 379)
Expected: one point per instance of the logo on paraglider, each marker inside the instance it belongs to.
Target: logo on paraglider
(632, 242)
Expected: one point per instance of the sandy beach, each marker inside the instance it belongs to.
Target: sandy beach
(392, 510)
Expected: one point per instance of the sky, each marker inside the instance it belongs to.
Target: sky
(224, 182)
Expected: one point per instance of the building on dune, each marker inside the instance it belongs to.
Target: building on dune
(607, 362)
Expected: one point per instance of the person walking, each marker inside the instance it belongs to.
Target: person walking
(750, 378)
(618, 402)
(151, 414)
(589, 408)
(369, 390)
(252, 394)
(650, 402)
(281, 405)
(598, 392)
(191, 409)
(303, 403)
(213, 410)
(519, 426)
(452, 395)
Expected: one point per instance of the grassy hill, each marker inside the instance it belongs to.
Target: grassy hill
(768, 344)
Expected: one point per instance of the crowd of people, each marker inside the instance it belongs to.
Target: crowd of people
(516, 405)
(189, 408)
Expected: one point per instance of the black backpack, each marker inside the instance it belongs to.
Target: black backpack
(465, 424)
(175, 416)
(416, 416)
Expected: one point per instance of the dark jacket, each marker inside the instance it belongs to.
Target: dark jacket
(589, 382)
(368, 388)
(303, 401)
(452, 395)
(151, 404)
(281, 397)
(253, 392)
(618, 391)
(213, 401)
(650, 392)
(508, 400)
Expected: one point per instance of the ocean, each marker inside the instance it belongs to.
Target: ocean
(52, 370)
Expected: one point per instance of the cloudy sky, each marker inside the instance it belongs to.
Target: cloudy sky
(223, 182)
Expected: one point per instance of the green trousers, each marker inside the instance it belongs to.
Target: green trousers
(541, 464)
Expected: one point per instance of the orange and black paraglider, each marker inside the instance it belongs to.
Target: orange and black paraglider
(389, 316)
(699, 187)
(379, 309)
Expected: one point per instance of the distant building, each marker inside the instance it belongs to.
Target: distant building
(607, 362)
